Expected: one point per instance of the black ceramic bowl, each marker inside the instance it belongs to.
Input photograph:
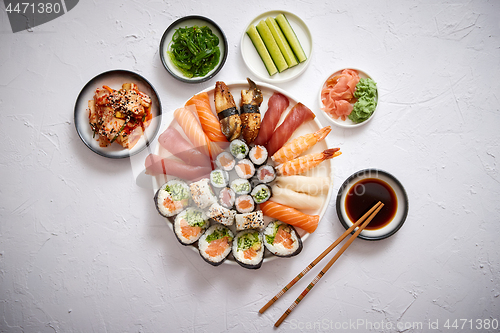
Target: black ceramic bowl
(189, 21)
(400, 212)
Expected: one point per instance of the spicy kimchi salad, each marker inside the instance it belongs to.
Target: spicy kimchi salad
(119, 115)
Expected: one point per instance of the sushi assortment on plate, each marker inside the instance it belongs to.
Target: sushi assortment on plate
(237, 202)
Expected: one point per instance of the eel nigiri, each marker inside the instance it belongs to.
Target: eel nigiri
(276, 105)
(208, 119)
(298, 115)
(249, 112)
(290, 215)
(227, 112)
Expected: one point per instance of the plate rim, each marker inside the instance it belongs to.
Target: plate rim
(356, 175)
(307, 32)
(316, 120)
(333, 121)
(163, 42)
(126, 153)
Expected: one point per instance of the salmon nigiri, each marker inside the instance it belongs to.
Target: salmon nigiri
(208, 119)
(290, 215)
(192, 128)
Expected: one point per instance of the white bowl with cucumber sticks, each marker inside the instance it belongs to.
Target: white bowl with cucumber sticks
(277, 46)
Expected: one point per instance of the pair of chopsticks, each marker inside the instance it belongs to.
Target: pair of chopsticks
(368, 217)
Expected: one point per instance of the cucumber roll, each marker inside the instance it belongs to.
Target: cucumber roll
(215, 244)
(219, 178)
(172, 197)
(282, 239)
(261, 193)
(190, 224)
(238, 149)
(241, 186)
(248, 249)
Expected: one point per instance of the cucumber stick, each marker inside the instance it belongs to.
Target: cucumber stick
(280, 39)
(291, 37)
(262, 50)
(272, 46)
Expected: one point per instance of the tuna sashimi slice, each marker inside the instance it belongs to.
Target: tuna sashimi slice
(276, 105)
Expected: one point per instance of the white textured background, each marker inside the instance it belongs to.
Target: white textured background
(82, 248)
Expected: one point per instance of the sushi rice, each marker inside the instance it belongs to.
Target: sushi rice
(253, 220)
(202, 193)
(221, 214)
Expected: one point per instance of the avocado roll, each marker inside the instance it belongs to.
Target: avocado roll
(248, 249)
(190, 224)
(215, 244)
(172, 197)
(282, 239)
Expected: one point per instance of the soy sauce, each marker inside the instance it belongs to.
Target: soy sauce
(364, 194)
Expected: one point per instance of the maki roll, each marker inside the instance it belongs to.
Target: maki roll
(261, 193)
(266, 173)
(248, 249)
(215, 244)
(202, 193)
(221, 214)
(253, 220)
(245, 169)
(219, 178)
(245, 204)
(227, 197)
(172, 198)
(190, 224)
(241, 186)
(238, 149)
(258, 155)
(282, 239)
(225, 161)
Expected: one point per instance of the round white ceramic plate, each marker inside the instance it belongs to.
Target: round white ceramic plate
(323, 170)
(253, 60)
(189, 21)
(402, 203)
(114, 79)
(348, 123)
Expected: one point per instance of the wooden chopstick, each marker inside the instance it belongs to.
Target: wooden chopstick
(319, 258)
(327, 267)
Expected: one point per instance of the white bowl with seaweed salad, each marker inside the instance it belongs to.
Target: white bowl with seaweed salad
(194, 64)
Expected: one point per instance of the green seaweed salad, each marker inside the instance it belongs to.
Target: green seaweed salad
(194, 50)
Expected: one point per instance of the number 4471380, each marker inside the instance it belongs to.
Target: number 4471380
(472, 324)
(40, 8)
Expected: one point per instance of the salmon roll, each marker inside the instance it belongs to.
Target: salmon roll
(172, 197)
(253, 220)
(202, 194)
(245, 169)
(258, 155)
(244, 204)
(190, 224)
(221, 214)
(227, 197)
(215, 244)
(248, 249)
(282, 239)
(225, 161)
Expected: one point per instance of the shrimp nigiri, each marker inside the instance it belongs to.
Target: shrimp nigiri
(306, 162)
(299, 145)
